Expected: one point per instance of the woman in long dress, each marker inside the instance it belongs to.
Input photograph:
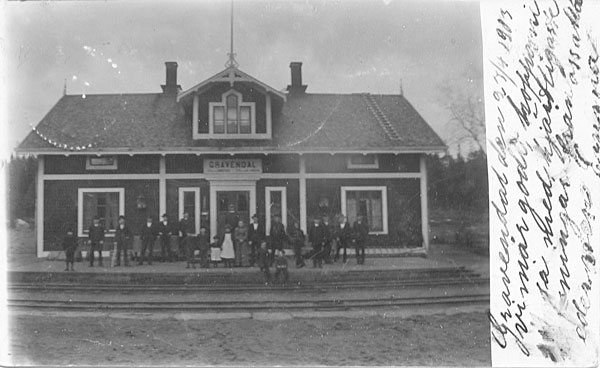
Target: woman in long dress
(227, 253)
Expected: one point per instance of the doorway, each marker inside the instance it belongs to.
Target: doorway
(232, 206)
(230, 200)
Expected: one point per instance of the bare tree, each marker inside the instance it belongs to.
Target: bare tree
(467, 118)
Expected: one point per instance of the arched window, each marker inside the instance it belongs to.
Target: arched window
(232, 116)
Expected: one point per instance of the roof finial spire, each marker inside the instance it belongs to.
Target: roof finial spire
(65, 88)
(231, 63)
(401, 88)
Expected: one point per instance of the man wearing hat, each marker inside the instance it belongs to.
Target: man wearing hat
(256, 234)
(122, 239)
(278, 236)
(165, 230)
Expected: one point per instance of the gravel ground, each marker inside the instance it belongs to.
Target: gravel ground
(459, 339)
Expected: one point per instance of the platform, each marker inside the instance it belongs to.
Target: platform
(443, 261)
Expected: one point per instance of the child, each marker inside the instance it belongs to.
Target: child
(227, 253)
(263, 261)
(70, 245)
(281, 266)
(215, 251)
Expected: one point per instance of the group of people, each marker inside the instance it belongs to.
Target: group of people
(238, 246)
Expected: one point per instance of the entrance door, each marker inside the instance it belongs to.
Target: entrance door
(232, 206)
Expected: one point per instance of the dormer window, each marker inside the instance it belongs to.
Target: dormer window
(232, 118)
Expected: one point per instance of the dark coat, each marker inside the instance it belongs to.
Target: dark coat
(263, 258)
(318, 235)
(277, 234)
(281, 262)
(360, 232)
(96, 233)
(123, 236)
(149, 233)
(203, 242)
(297, 237)
(256, 236)
(69, 243)
(186, 227)
(343, 234)
(167, 229)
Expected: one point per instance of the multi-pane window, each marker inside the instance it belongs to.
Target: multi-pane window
(232, 116)
(105, 204)
(370, 203)
(189, 201)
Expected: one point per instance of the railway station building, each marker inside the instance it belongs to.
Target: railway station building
(232, 143)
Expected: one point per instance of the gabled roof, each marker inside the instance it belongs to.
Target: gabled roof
(230, 75)
(146, 123)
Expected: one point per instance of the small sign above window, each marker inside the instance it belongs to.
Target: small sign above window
(101, 163)
(363, 162)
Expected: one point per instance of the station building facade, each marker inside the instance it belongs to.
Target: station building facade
(228, 143)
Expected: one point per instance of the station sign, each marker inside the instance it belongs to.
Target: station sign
(232, 166)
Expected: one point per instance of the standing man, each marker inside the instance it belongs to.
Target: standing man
(343, 235)
(149, 233)
(361, 231)
(122, 238)
(186, 227)
(328, 239)
(165, 230)
(277, 235)
(96, 234)
(240, 235)
(297, 238)
(231, 217)
(317, 236)
(256, 234)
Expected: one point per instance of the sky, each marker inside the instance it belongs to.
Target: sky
(345, 47)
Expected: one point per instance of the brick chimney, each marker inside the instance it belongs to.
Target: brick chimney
(171, 87)
(296, 87)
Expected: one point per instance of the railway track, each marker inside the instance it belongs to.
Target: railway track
(247, 306)
(297, 287)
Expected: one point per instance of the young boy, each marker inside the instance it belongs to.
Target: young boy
(215, 251)
(70, 245)
(281, 266)
(96, 234)
(264, 261)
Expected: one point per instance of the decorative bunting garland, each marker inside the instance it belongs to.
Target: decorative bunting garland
(62, 145)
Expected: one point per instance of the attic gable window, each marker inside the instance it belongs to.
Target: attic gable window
(232, 117)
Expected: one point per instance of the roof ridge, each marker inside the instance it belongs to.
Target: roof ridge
(112, 94)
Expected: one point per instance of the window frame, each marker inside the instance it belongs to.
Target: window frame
(268, 191)
(352, 165)
(80, 195)
(240, 104)
(384, 204)
(181, 197)
(89, 166)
